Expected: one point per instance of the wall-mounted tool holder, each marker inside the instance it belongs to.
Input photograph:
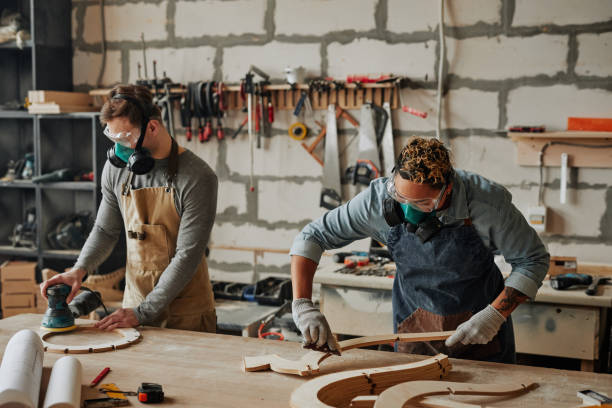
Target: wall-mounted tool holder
(285, 97)
(348, 96)
(584, 149)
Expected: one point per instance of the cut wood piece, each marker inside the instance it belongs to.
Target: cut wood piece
(43, 108)
(309, 363)
(127, 336)
(339, 389)
(408, 393)
(368, 401)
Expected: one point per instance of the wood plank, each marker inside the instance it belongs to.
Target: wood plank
(528, 152)
(339, 389)
(308, 364)
(202, 369)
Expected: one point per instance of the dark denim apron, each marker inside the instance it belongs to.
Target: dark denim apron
(440, 284)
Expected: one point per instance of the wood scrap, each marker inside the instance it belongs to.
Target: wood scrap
(408, 394)
(309, 363)
(339, 389)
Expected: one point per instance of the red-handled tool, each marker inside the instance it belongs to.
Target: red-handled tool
(270, 112)
(207, 131)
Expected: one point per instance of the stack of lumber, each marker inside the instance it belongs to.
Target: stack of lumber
(60, 102)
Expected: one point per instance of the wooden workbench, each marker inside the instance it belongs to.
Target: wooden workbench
(559, 323)
(204, 370)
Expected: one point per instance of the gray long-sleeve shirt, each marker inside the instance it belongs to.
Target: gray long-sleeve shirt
(500, 225)
(196, 203)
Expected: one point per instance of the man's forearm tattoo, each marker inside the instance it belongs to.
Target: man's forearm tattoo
(508, 300)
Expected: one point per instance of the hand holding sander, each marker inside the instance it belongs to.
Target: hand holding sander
(60, 316)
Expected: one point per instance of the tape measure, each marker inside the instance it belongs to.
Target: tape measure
(298, 131)
(150, 393)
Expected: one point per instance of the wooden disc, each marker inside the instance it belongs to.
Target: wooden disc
(88, 339)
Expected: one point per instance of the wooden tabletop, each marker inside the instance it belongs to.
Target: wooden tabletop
(204, 370)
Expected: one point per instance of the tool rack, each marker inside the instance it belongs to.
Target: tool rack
(285, 96)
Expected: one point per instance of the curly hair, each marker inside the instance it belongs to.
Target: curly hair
(425, 161)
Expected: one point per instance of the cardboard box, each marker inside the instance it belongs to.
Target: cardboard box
(41, 302)
(12, 311)
(13, 287)
(18, 271)
(61, 97)
(20, 300)
(562, 264)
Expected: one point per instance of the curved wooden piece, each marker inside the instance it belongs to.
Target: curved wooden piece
(309, 363)
(128, 336)
(338, 389)
(407, 394)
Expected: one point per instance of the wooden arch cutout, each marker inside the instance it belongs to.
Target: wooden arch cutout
(127, 336)
(309, 363)
(339, 389)
(408, 393)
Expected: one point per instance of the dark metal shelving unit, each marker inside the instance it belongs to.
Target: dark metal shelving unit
(71, 140)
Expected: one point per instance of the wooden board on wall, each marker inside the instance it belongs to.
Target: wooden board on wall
(529, 146)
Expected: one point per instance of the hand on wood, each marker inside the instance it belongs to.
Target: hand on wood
(120, 318)
(480, 329)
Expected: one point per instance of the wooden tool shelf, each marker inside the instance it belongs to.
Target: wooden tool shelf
(529, 146)
(284, 97)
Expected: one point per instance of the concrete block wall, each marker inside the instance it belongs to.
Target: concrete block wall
(507, 62)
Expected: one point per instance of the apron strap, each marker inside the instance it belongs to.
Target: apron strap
(127, 185)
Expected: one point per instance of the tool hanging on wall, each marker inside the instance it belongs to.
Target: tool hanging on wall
(249, 90)
(408, 109)
(339, 113)
(220, 110)
(367, 167)
(298, 130)
(187, 111)
(331, 193)
(386, 145)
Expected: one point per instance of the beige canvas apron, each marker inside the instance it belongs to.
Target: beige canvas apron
(152, 223)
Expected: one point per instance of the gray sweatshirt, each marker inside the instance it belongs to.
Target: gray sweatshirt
(196, 203)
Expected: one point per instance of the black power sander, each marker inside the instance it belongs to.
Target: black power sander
(60, 316)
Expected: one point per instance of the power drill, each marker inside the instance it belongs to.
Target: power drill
(60, 315)
(566, 280)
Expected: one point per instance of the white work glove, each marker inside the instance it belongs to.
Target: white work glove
(312, 324)
(479, 329)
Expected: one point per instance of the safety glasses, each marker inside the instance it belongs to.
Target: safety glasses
(421, 204)
(127, 139)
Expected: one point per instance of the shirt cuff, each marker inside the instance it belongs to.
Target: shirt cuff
(139, 315)
(307, 249)
(84, 267)
(523, 283)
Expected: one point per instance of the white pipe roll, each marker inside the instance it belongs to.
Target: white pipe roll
(21, 370)
(64, 390)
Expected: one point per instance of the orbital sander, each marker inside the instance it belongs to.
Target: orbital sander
(60, 315)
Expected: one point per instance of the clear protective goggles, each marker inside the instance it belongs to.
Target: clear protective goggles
(421, 204)
(126, 139)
